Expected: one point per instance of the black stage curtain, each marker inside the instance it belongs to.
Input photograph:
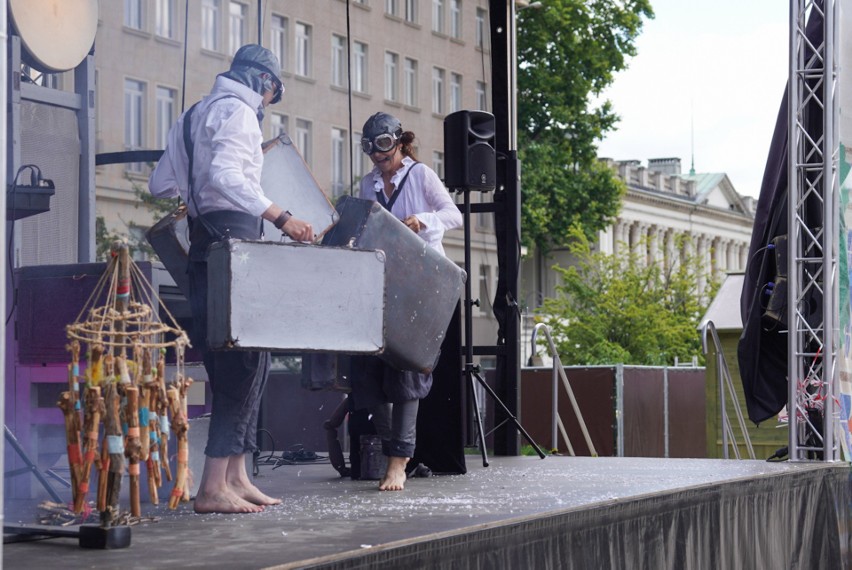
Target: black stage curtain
(762, 350)
(440, 436)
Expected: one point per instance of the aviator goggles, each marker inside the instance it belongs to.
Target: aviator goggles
(277, 85)
(380, 143)
(278, 88)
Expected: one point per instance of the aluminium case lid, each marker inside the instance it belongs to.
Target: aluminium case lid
(288, 182)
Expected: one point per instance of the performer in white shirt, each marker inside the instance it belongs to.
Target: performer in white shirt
(413, 193)
(213, 161)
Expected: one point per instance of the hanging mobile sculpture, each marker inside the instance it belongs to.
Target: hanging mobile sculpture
(124, 387)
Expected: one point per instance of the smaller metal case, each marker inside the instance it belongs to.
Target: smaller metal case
(423, 286)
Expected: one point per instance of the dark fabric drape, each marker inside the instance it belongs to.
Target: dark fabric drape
(763, 346)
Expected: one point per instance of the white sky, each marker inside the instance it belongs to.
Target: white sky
(713, 67)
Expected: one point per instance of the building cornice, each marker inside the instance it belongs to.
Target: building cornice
(684, 204)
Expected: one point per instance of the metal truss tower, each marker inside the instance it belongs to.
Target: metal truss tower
(813, 210)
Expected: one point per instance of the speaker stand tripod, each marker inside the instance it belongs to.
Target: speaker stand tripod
(471, 370)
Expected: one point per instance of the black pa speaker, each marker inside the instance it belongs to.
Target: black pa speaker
(469, 157)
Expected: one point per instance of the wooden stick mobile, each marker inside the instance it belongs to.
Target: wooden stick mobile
(125, 382)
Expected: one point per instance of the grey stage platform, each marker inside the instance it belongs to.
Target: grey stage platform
(520, 512)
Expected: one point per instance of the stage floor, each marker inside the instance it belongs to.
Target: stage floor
(329, 521)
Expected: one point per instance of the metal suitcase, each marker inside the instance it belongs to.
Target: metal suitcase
(422, 286)
(295, 298)
(288, 182)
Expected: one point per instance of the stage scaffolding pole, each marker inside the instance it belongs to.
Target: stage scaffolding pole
(813, 210)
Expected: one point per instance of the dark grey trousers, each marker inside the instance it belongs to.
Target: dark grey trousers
(396, 424)
(237, 378)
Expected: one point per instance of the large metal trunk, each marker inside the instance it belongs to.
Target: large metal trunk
(422, 286)
(295, 298)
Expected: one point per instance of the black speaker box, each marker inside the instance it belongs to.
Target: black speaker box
(780, 246)
(470, 161)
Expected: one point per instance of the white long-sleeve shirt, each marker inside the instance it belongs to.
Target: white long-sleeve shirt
(423, 195)
(228, 157)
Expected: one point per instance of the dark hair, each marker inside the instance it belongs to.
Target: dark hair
(406, 141)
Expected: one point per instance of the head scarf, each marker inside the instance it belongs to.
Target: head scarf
(251, 63)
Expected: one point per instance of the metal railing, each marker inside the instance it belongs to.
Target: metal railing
(559, 371)
(726, 386)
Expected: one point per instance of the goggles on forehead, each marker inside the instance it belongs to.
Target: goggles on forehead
(277, 85)
(380, 143)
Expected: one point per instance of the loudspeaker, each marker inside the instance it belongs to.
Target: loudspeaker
(780, 246)
(775, 314)
(469, 157)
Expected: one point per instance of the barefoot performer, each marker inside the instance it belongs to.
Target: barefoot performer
(412, 192)
(213, 160)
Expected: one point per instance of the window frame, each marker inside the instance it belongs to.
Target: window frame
(211, 31)
(134, 119)
(392, 76)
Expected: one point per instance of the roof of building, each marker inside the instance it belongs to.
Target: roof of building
(724, 310)
(716, 189)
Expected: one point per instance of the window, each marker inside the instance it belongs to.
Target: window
(339, 148)
(481, 29)
(359, 67)
(438, 163)
(437, 91)
(456, 19)
(392, 7)
(411, 11)
(166, 105)
(134, 97)
(485, 288)
(278, 39)
(277, 124)
(210, 27)
(438, 16)
(303, 139)
(237, 21)
(165, 25)
(391, 76)
(455, 92)
(338, 61)
(133, 14)
(138, 243)
(303, 49)
(410, 82)
(484, 220)
(481, 96)
(359, 161)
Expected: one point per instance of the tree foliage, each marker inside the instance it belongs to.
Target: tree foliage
(158, 208)
(614, 309)
(568, 52)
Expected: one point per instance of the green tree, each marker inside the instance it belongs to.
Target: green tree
(157, 207)
(568, 53)
(614, 309)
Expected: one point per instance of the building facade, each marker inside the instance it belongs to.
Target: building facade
(661, 207)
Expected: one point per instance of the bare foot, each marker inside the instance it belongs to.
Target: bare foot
(226, 501)
(254, 495)
(394, 479)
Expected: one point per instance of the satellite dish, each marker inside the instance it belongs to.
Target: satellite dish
(56, 34)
